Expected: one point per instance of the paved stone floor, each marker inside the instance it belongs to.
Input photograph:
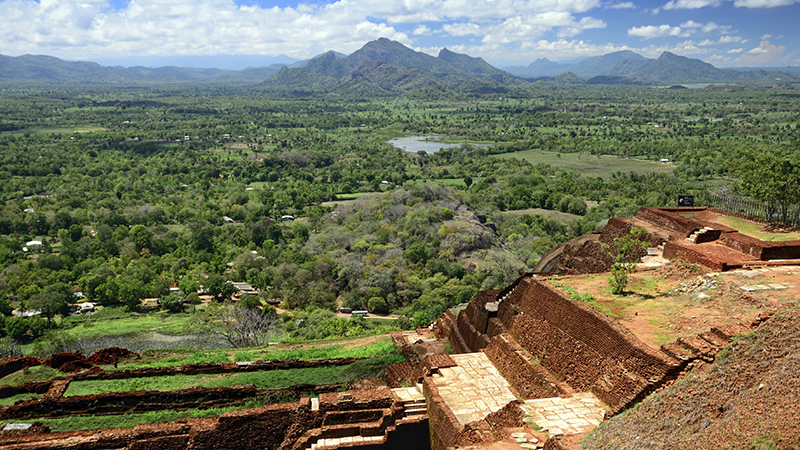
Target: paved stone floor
(474, 388)
(574, 415)
(409, 394)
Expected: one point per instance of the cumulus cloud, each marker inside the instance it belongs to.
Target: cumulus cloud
(85, 29)
(690, 4)
(421, 30)
(729, 39)
(461, 29)
(653, 31)
(763, 3)
(765, 54)
(623, 5)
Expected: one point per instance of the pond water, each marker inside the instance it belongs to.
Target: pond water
(427, 144)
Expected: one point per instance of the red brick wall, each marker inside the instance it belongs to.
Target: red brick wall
(668, 221)
(444, 427)
(673, 250)
(521, 370)
(580, 346)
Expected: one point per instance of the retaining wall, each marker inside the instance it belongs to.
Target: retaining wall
(763, 250)
(574, 344)
(673, 250)
(669, 219)
(521, 370)
(280, 427)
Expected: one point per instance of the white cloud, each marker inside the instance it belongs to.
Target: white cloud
(623, 5)
(461, 29)
(690, 4)
(765, 37)
(421, 30)
(766, 54)
(729, 39)
(763, 3)
(83, 29)
(736, 50)
(652, 31)
(576, 28)
(691, 24)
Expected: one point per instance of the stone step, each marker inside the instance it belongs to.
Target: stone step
(677, 351)
(415, 411)
(713, 339)
(729, 331)
(415, 405)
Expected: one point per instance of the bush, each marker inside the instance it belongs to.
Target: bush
(250, 301)
(172, 303)
(377, 305)
(192, 298)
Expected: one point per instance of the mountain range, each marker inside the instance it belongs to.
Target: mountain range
(385, 67)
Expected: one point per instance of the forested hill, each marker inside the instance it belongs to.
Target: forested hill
(386, 67)
(666, 69)
(48, 69)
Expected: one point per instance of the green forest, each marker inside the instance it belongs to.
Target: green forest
(115, 195)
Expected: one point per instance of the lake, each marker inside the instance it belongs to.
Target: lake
(427, 144)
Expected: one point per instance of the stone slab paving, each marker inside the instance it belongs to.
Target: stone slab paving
(474, 388)
(577, 414)
(408, 394)
(349, 441)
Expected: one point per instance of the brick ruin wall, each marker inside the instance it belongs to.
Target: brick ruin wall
(674, 250)
(763, 250)
(670, 220)
(443, 424)
(592, 256)
(573, 343)
(467, 332)
(286, 426)
(520, 369)
(447, 432)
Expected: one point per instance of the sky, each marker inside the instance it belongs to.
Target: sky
(241, 33)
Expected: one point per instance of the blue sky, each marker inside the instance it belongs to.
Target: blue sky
(726, 33)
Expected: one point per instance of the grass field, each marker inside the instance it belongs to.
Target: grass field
(351, 349)
(116, 322)
(263, 380)
(755, 230)
(69, 129)
(271, 379)
(75, 423)
(549, 214)
(589, 165)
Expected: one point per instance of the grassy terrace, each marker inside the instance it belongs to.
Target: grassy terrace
(380, 351)
(77, 423)
(590, 165)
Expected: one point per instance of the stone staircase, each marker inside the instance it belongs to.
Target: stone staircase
(413, 406)
(346, 441)
(412, 400)
(697, 233)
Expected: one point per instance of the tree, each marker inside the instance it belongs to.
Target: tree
(377, 305)
(173, 302)
(217, 287)
(627, 248)
(239, 326)
(772, 177)
(141, 237)
(416, 253)
(52, 300)
(132, 292)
